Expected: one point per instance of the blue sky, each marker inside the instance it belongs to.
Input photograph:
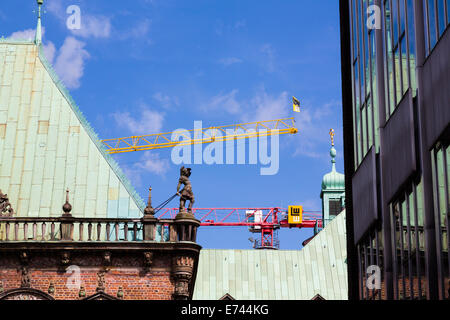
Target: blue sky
(148, 66)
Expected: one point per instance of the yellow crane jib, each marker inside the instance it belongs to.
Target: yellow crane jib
(204, 135)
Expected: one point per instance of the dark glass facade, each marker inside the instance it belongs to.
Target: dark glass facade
(396, 115)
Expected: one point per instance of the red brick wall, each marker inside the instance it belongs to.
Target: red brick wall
(155, 285)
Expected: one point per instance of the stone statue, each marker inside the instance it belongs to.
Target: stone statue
(25, 278)
(101, 280)
(186, 193)
(5, 206)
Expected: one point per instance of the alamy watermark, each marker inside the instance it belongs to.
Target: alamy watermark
(73, 22)
(373, 17)
(373, 281)
(263, 147)
(74, 280)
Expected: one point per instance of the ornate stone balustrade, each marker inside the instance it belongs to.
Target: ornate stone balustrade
(159, 254)
(96, 229)
(48, 247)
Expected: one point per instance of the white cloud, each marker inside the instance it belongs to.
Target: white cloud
(314, 127)
(27, 34)
(267, 107)
(262, 106)
(69, 64)
(229, 61)
(147, 122)
(49, 51)
(70, 58)
(223, 102)
(165, 100)
(93, 26)
(149, 162)
(313, 123)
(99, 26)
(55, 7)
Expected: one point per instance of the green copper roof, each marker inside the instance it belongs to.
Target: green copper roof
(333, 180)
(47, 145)
(318, 268)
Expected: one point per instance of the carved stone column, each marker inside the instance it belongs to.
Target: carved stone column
(186, 226)
(183, 267)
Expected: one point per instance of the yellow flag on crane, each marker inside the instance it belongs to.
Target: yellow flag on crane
(296, 104)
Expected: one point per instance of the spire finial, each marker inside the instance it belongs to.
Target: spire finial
(332, 137)
(149, 209)
(333, 150)
(38, 38)
(67, 207)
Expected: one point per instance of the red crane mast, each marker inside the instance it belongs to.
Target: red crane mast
(265, 221)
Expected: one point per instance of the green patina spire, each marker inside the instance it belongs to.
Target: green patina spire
(38, 38)
(334, 179)
(333, 188)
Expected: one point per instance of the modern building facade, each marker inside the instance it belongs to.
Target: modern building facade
(396, 114)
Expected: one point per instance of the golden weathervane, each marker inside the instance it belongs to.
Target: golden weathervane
(332, 137)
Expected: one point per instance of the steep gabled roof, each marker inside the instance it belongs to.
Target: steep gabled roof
(47, 145)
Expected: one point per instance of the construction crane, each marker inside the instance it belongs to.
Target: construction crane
(200, 136)
(265, 221)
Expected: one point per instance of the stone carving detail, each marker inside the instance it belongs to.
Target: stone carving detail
(82, 292)
(24, 259)
(120, 293)
(184, 261)
(186, 193)
(65, 258)
(183, 267)
(182, 286)
(25, 294)
(25, 277)
(5, 206)
(101, 280)
(148, 260)
(23, 269)
(51, 288)
(107, 258)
